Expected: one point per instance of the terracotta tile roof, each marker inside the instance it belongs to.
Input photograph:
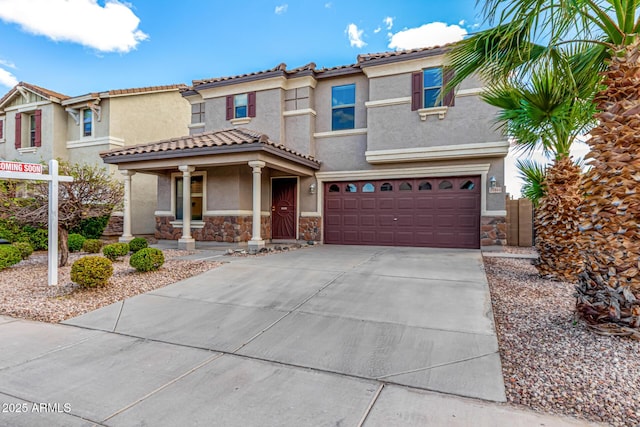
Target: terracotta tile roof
(383, 55)
(147, 89)
(37, 89)
(280, 67)
(220, 138)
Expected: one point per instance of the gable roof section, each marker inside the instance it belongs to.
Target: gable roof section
(124, 92)
(45, 93)
(221, 141)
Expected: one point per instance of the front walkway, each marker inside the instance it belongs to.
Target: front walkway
(333, 335)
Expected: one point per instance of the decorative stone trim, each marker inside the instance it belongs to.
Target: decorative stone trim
(493, 231)
(230, 229)
(435, 111)
(115, 226)
(310, 228)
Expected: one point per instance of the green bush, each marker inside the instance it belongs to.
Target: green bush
(92, 246)
(138, 243)
(92, 228)
(25, 249)
(147, 259)
(115, 250)
(75, 242)
(9, 255)
(38, 238)
(91, 271)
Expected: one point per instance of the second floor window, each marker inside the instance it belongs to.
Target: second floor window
(28, 131)
(432, 83)
(32, 130)
(241, 106)
(197, 113)
(87, 122)
(343, 106)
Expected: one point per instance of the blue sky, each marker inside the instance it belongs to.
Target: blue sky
(80, 46)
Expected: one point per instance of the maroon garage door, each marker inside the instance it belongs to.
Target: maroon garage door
(432, 212)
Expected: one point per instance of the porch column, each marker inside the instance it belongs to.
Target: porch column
(256, 241)
(126, 219)
(186, 241)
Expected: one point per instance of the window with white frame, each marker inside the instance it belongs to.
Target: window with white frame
(343, 106)
(197, 113)
(197, 197)
(87, 122)
(432, 87)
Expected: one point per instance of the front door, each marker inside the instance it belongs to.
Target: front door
(283, 208)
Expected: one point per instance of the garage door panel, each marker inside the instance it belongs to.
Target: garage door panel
(406, 215)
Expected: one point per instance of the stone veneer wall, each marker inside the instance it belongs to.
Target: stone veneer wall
(227, 229)
(310, 228)
(114, 226)
(493, 231)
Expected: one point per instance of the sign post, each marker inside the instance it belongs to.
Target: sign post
(33, 172)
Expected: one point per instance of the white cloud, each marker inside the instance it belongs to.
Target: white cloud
(432, 34)
(7, 79)
(461, 23)
(109, 28)
(388, 21)
(7, 64)
(355, 36)
(377, 30)
(281, 9)
(328, 5)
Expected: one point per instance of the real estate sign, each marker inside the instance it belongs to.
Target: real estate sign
(33, 172)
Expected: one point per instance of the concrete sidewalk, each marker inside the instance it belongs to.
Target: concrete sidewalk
(331, 335)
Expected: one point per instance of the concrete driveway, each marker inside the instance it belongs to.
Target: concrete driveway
(332, 335)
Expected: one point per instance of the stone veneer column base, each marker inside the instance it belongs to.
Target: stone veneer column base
(493, 231)
(229, 229)
(310, 228)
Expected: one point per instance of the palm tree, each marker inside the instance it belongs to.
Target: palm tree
(548, 112)
(609, 30)
(532, 174)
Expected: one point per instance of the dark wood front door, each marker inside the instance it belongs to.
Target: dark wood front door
(283, 208)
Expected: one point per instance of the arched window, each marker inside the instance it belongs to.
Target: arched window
(467, 185)
(445, 185)
(368, 188)
(386, 187)
(333, 188)
(405, 186)
(350, 188)
(424, 186)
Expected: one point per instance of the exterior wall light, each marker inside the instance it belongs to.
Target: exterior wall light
(312, 188)
(493, 183)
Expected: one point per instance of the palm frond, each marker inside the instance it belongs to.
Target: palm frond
(533, 175)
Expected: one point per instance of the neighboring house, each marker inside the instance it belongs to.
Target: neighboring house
(38, 124)
(368, 153)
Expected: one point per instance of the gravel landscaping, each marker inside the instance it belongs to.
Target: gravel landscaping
(24, 291)
(550, 362)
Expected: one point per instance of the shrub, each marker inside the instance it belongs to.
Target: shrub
(38, 238)
(92, 246)
(9, 255)
(25, 249)
(75, 242)
(92, 228)
(115, 250)
(147, 259)
(138, 243)
(91, 271)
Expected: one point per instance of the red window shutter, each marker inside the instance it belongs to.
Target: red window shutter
(1, 128)
(252, 104)
(416, 91)
(18, 142)
(38, 137)
(449, 99)
(230, 107)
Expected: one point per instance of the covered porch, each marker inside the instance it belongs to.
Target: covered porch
(232, 185)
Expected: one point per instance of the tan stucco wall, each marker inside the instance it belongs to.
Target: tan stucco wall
(323, 100)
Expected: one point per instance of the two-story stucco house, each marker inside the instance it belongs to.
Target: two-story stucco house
(38, 124)
(368, 153)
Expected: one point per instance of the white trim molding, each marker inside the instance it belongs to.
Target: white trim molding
(310, 215)
(403, 67)
(494, 213)
(27, 108)
(106, 140)
(27, 150)
(476, 91)
(301, 112)
(388, 102)
(196, 125)
(194, 224)
(163, 213)
(338, 133)
(433, 111)
(240, 121)
(440, 152)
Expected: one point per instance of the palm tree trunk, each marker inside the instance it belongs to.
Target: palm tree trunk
(610, 285)
(557, 222)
